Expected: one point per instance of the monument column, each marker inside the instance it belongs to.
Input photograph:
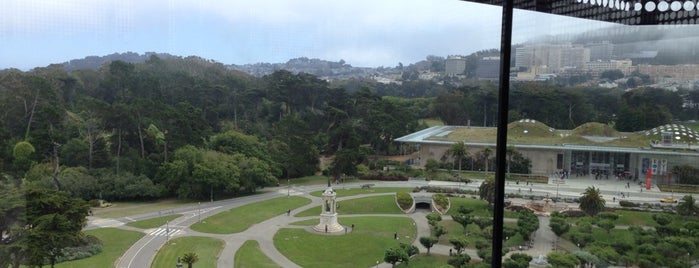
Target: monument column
(328, 215)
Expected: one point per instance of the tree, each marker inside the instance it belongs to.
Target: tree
(439, 231)
(460, 260)
(428, 242)
(458, 151)
(22, 156)
(517, 260)
(56, 222)
(562, 260)
(607, 225)
(190, 258)
(591, 201)
(527, 223)
(487, 190)
(612, 75)
(687, 206)
(433, 218)
(662, 219)
(395, 255)
(486, 157)
(459, 244)
(559, 227)
(462, 219)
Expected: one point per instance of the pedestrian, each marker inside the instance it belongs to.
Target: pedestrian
(353, 227)
(288, 212)
(614, 199)
(449, 252)
(345, 229)
(395, 236)
(326, 228)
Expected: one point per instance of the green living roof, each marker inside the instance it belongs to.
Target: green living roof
(532, 132)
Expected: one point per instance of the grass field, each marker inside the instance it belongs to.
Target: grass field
(155, 222)
(115, 242)
(241, 218)
(479, 207)
(208, 250)
(360, 248)
(124, 209)
(357, 191)
(454, 229)
(384, 204)
(250, 256)
(426, 261)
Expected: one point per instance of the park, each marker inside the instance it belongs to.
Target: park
(274, 228)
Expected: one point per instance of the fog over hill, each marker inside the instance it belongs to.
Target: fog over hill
(671, 44)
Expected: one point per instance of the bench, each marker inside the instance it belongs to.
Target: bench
(367, 186)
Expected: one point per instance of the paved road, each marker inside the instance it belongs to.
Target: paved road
(141, 254)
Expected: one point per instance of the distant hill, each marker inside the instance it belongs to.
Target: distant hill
(95, 62)
(317, 67)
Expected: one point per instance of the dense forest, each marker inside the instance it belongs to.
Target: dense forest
(192, 128)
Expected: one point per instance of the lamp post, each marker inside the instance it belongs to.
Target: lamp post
(199, 211)
(179, 263)
(288, 187)
(377, 264)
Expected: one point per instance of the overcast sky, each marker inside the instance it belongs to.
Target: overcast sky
(35, 33)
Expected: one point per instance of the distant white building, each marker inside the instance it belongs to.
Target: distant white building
(597, 67)
(455, 65)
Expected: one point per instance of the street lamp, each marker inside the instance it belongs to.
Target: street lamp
(199, 211)
(377, 264)
(288, 187)
(179, 263)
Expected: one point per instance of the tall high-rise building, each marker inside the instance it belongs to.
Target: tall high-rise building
(602, 51)
(488, 68)
(553, 56)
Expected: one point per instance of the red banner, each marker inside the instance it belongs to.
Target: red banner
(648, 178)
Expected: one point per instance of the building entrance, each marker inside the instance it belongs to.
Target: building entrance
(602, 165)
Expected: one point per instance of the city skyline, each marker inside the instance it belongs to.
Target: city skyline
(363, 33)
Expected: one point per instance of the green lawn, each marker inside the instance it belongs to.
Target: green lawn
(154, 222)
(250, 256)
(206, 248)
(357, 191)
(426, 261)
(430, 122)
(241, 218)
(115, 242)
(454, 229)
(124, 209)
(479, 207)
(384, 204)
(360, 248)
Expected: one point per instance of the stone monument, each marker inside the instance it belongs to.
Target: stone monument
(328, 215)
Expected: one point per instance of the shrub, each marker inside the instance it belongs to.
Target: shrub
(381, 177)
(94, 203)
(405, 201)
(441, 200)
(89, 246)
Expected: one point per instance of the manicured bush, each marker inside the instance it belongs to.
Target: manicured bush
(625, 203)
(405, 201)
(441, 200)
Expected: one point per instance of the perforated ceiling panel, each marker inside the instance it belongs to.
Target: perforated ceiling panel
(644, 12)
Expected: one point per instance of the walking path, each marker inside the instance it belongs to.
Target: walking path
(142, 253)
